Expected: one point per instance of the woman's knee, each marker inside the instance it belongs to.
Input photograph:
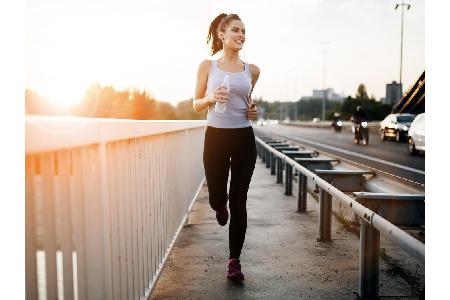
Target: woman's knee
(217, 201)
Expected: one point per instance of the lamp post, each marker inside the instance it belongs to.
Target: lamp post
(401, 39)
(323, 82)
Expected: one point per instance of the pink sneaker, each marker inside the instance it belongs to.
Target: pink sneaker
(222, 216)
(234, 270)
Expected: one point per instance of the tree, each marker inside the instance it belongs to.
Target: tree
(361, 93)
(144, 107)
(165, 111)
(375, 110)
(185, 111)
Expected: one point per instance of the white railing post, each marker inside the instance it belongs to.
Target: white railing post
(31, 283)
(97, 231)
(187, 177)
(78, 224)
(49, 238)
(64, 235)
(114, 196)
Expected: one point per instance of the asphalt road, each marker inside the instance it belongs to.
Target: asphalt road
(385, 156)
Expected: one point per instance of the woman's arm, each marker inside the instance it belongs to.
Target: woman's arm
(252, 113)
(254, 70)
(201, 101)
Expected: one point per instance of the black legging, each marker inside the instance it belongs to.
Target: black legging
(221, 144)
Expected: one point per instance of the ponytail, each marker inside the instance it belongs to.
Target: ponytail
(219, 24)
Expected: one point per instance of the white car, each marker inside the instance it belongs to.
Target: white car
(416, 135)
(396, 126)
(261, 122)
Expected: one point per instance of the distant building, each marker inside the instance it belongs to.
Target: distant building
(394, 92)
(320, 94)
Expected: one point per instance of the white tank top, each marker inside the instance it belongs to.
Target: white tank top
(235, 115)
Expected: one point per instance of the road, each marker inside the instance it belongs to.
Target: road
(384, 156)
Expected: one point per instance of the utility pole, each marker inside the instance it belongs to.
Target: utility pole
(295, 109)
(401, 38)
(324, 44)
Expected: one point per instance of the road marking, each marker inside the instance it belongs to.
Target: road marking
(371, 167)
(382, 161)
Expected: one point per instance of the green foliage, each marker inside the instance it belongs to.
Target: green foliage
(309, 109)
(375, 110)
(106, 102)
(185, 111)
(313, 109)
(306, 109)
(329, 115)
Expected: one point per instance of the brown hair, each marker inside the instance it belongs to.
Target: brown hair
(219, 24)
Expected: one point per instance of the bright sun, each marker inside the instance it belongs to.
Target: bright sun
(62, 94)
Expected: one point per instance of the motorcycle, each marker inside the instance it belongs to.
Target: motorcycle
(361, 131)
(337, 126)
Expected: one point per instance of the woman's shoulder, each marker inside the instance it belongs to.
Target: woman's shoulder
(254, 69)
(205, 65)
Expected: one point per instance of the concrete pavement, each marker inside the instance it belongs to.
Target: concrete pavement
(281, 258)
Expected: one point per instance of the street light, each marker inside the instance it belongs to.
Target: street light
(323, 82)
(401, 42)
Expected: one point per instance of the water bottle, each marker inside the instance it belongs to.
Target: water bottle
(221, 107)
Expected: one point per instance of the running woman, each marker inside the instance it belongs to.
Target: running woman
(229, 138)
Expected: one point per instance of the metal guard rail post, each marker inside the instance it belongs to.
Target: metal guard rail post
(313, 164)
(345, 181)
(289, 170)
(367, 217)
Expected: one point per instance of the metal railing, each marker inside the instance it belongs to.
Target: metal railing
(372, 224)
(105, 201)
(374, 127)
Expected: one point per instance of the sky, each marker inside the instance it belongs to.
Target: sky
(157, 45)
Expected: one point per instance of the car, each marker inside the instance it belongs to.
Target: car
(261, 122)
(396, 126)
(316, 120)
(416, 135)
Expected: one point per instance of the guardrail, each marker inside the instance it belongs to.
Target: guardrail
(105, 201)
(374, 127)
(334, 184)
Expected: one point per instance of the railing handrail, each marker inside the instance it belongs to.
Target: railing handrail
(50, 133)
(109, 197)
(408, 243)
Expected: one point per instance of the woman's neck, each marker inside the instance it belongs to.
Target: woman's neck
(230, 56)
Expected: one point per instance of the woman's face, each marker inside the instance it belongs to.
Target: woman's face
(234, 35)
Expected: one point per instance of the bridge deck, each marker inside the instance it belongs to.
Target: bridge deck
(281, 258)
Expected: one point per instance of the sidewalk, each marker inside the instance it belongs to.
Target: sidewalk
(281, 258)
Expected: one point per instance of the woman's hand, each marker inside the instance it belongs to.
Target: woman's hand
(220, 94)
(252, 112)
